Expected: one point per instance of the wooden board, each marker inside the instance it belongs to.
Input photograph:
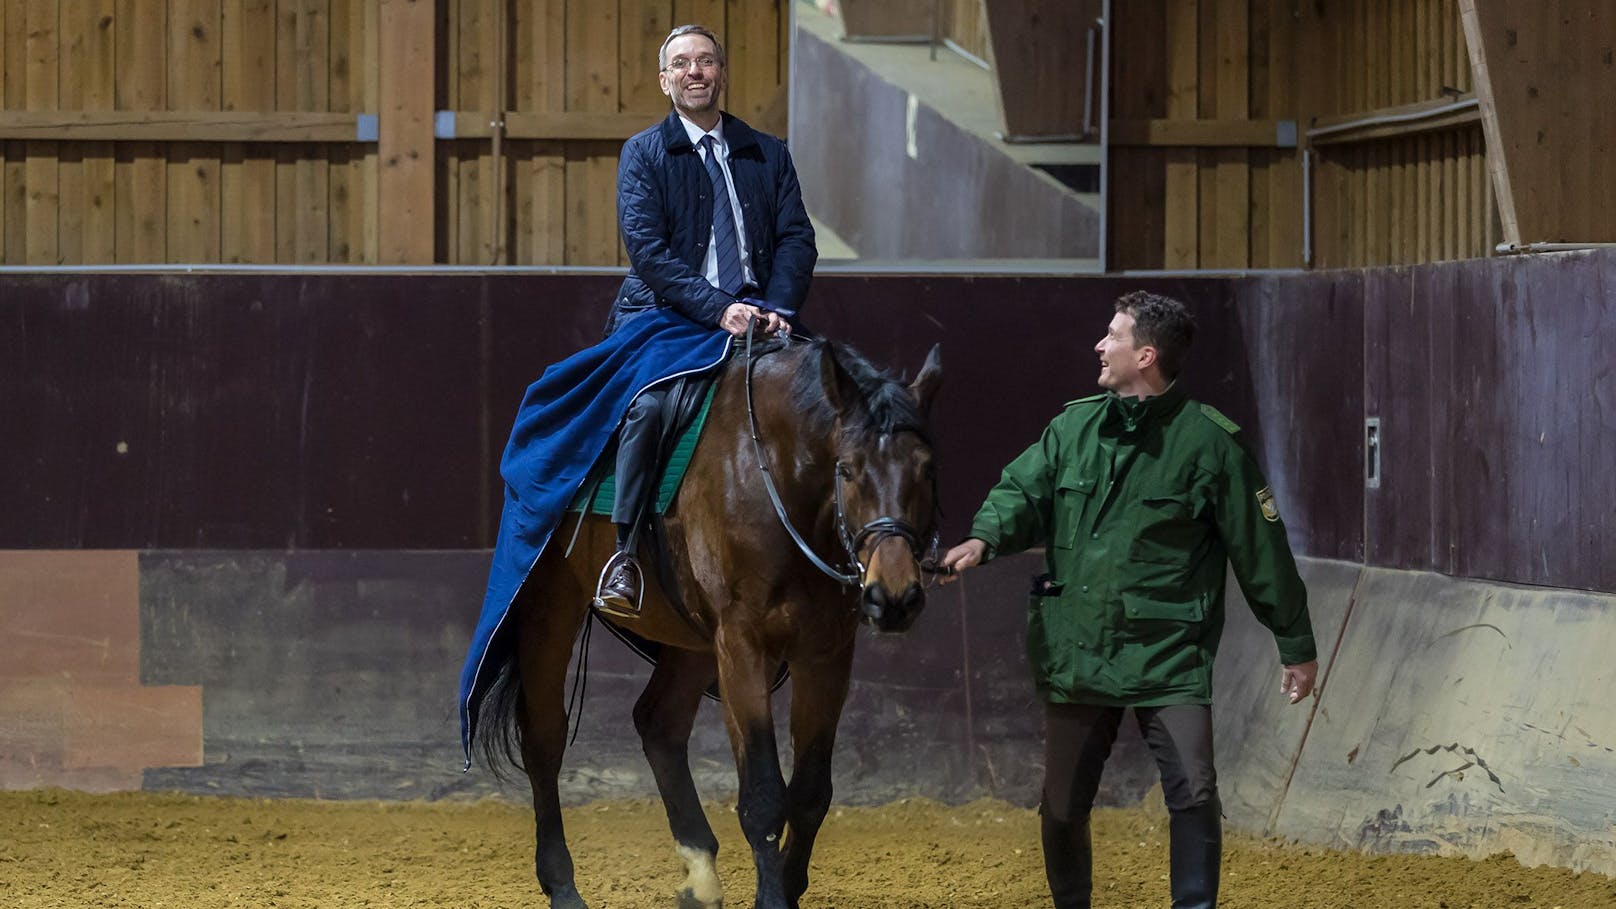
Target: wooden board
(193, 179)
(1180, 228)
(141, 174)
(247, 176)
(407, 149)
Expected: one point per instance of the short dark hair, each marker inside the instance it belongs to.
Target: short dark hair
(718, 48)
(1163, 323)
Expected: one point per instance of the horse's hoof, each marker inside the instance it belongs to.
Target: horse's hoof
(687, 900)
(567, 901)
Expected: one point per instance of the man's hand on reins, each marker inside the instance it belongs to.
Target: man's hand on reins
(966, 555)
(739, 318)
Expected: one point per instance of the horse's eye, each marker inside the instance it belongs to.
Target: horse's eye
(843, 471)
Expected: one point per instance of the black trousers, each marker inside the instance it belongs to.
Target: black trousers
(1078, 739)
(649, 432)
(639, 443)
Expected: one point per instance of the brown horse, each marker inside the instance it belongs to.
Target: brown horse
(852, 477)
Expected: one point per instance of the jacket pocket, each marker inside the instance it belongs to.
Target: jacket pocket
(1073, 491)
(1051, 634)
(1139, 608)
(1162, 646)
(1167, 532)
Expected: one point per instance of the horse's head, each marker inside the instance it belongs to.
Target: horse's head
(886, 485)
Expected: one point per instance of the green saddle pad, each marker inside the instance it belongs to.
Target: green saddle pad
(598, 491)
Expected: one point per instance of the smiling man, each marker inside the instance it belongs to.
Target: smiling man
(1140, 497)
(713, 221)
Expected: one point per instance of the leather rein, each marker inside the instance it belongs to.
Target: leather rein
(879, 529)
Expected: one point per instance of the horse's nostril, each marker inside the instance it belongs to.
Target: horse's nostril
(874, 601)
(913, 600)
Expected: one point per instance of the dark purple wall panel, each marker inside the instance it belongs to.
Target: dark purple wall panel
(1535, 440)
(226, 411)
(1494, 383)
(278, 412)
(343, 411)
(1301, 363)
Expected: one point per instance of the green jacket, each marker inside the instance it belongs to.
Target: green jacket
(1139, 505)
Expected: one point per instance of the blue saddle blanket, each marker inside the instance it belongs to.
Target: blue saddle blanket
(564, 423)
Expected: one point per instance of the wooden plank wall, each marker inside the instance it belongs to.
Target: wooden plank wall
(568, 58)
(1543, 73)
(71, 202)
(145, 113)
(1415, 198)
(1199, 194)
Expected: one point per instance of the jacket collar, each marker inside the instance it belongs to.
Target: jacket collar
(737, 135)
(1133, 413)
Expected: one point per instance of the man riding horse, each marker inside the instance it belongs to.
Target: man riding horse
(713, 221)
(701, 275)
(802, 514)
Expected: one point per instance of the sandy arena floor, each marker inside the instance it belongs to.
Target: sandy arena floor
(66, 849)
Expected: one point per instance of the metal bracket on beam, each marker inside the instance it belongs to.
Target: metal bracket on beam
(1285, 134)
(443, 124)
(367, 128)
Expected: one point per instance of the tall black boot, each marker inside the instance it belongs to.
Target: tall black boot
(1068, 861)
(1196, 840)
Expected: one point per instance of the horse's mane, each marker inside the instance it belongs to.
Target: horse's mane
(885, 405)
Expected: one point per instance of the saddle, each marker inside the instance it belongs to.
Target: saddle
(685, 415)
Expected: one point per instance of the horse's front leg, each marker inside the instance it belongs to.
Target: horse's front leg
(664, 716)
(818, 690)
(745, 670)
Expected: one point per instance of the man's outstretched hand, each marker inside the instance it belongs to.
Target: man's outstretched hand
(966, 555)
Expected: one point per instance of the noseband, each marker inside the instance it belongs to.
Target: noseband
(873, 533)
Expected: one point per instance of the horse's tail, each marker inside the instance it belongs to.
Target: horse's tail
(498, 736)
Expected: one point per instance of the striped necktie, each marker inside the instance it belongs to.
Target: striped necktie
(726, 243)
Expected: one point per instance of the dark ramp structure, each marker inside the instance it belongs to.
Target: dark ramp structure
(244, 526)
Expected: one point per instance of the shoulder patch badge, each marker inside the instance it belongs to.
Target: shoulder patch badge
(1213, 414)
(1265, 501)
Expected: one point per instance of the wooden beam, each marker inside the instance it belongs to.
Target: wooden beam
(1391, 122)
(178, 126)
(1496, 152)
(555, 125)
(1171, 133)
(406, 217)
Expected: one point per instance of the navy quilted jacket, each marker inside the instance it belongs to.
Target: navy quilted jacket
(665, 211)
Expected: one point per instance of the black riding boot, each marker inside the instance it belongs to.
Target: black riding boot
(1068, 861)
(1196, 837)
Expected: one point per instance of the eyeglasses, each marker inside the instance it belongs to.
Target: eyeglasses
(680, 64)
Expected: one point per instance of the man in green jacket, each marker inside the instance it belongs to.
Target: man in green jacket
(1139, 497)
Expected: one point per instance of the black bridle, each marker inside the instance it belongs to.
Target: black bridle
(873, 533)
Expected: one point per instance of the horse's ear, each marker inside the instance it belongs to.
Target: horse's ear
(840, 389)
(925, 385)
